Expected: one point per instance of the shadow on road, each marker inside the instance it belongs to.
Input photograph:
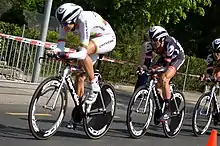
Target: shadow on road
(14, 132)
(157, 131)
(24, 133)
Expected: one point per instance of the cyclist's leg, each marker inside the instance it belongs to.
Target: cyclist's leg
(166, 77)
(80, 78)
(101, 45)
(159, 63)
(88, 66)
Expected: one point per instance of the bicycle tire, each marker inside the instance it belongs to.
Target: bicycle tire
(95, 129)
(36, 132)
(170, 130)
(196, 131)
(133, 133)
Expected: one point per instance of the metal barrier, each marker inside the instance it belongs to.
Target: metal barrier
(17, 56)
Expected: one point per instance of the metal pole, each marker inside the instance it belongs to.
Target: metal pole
(187, 67)
(40, 50)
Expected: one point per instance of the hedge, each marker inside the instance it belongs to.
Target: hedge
(127, 49)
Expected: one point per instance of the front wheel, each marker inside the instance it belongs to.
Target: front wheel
(140, 103)
(172, 126)
(204, 109)
(45, 95)
(99, 119)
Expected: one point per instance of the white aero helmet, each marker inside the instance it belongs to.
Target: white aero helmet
(68, 13)
(157, 32)
(216, 45)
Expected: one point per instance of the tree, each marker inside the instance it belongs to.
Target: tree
(197, 32)
(5, 6)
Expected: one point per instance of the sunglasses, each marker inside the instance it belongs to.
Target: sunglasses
(64, 24)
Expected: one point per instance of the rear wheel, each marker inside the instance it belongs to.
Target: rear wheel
(173, 126)
(97, 122)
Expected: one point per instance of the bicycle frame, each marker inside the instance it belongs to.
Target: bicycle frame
(66, 79)
(151, 85)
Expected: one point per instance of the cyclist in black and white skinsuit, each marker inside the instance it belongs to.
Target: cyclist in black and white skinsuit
(171, 58)
(213, 61)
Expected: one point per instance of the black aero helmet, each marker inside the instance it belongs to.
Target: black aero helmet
(216, 45)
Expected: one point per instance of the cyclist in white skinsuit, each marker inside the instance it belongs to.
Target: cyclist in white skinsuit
(96, 37)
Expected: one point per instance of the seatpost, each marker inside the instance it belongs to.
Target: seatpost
(99, 63)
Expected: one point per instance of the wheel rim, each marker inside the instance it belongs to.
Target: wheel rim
(202, 111)
(132, 124)
(35, 125)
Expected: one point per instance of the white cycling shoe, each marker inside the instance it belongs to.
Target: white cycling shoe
(95, 89)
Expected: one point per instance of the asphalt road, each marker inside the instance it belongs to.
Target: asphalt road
(14, 130)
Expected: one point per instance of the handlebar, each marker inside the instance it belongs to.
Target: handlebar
(212, 79)
(150, 71)
(55, 57)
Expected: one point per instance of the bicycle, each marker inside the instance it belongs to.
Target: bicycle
(148, 97)
(103, 109)
(211, 108)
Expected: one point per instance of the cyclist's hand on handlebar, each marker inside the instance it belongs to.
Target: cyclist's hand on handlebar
(51, 53)
(158, 70)
(56, 53)
(204, 77)
(142, 69)
(139, 70)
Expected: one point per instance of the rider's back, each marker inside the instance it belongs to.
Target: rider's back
(94, 24)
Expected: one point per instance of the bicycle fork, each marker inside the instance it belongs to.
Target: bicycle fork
(209, 102)
(55, 101)
(143, 97)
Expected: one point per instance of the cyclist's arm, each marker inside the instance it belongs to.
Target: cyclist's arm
(84, 30)
(209, 61)
(61, 38)
(145, 54)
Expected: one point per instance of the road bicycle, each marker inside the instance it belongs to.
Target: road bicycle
(96, 118)
(209, 110)
(146, 98)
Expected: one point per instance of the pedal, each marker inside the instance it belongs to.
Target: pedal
(71, 125)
